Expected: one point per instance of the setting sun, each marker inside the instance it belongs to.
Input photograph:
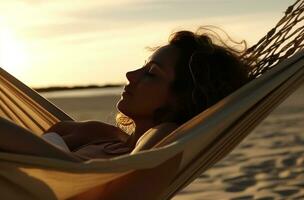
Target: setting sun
(12, 54)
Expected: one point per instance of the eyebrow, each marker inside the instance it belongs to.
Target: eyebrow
(155, 62)
(159, 66)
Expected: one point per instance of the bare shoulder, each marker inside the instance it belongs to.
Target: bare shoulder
(154, 135)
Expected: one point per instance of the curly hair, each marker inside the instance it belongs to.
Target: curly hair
(208, 69)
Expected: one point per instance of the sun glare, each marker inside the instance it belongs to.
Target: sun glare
(12, 54)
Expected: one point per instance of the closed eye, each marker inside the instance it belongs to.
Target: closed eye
(151, 68)
(149, 74)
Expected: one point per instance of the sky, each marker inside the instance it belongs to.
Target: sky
(76, 42)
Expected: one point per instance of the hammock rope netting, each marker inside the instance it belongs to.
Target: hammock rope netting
(281, 42)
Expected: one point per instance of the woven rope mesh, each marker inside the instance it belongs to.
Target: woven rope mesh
(281, 42)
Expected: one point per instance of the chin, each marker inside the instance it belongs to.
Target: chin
(132, 109)
(119, 105)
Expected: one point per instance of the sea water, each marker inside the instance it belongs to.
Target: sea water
(90, 92)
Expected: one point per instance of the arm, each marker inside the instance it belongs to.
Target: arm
(76, 134)
(145, 184)
(16, 139)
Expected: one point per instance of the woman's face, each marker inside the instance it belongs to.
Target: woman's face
(149, 86)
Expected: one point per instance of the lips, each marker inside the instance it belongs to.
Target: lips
(127, 90)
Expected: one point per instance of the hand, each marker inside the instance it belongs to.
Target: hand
(64, 128)
(76, 134)
(70, 132)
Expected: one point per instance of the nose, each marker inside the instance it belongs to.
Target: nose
(131, 76)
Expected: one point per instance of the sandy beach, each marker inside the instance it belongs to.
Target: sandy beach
(267, 165)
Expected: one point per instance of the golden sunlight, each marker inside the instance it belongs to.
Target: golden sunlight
(12, 54)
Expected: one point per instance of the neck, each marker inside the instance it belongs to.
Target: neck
(141, 126)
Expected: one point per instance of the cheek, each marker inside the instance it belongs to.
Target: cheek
(154, 96)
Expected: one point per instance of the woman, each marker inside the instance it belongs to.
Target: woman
(181, 79)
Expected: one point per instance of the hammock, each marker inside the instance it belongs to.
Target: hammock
(193, 147)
